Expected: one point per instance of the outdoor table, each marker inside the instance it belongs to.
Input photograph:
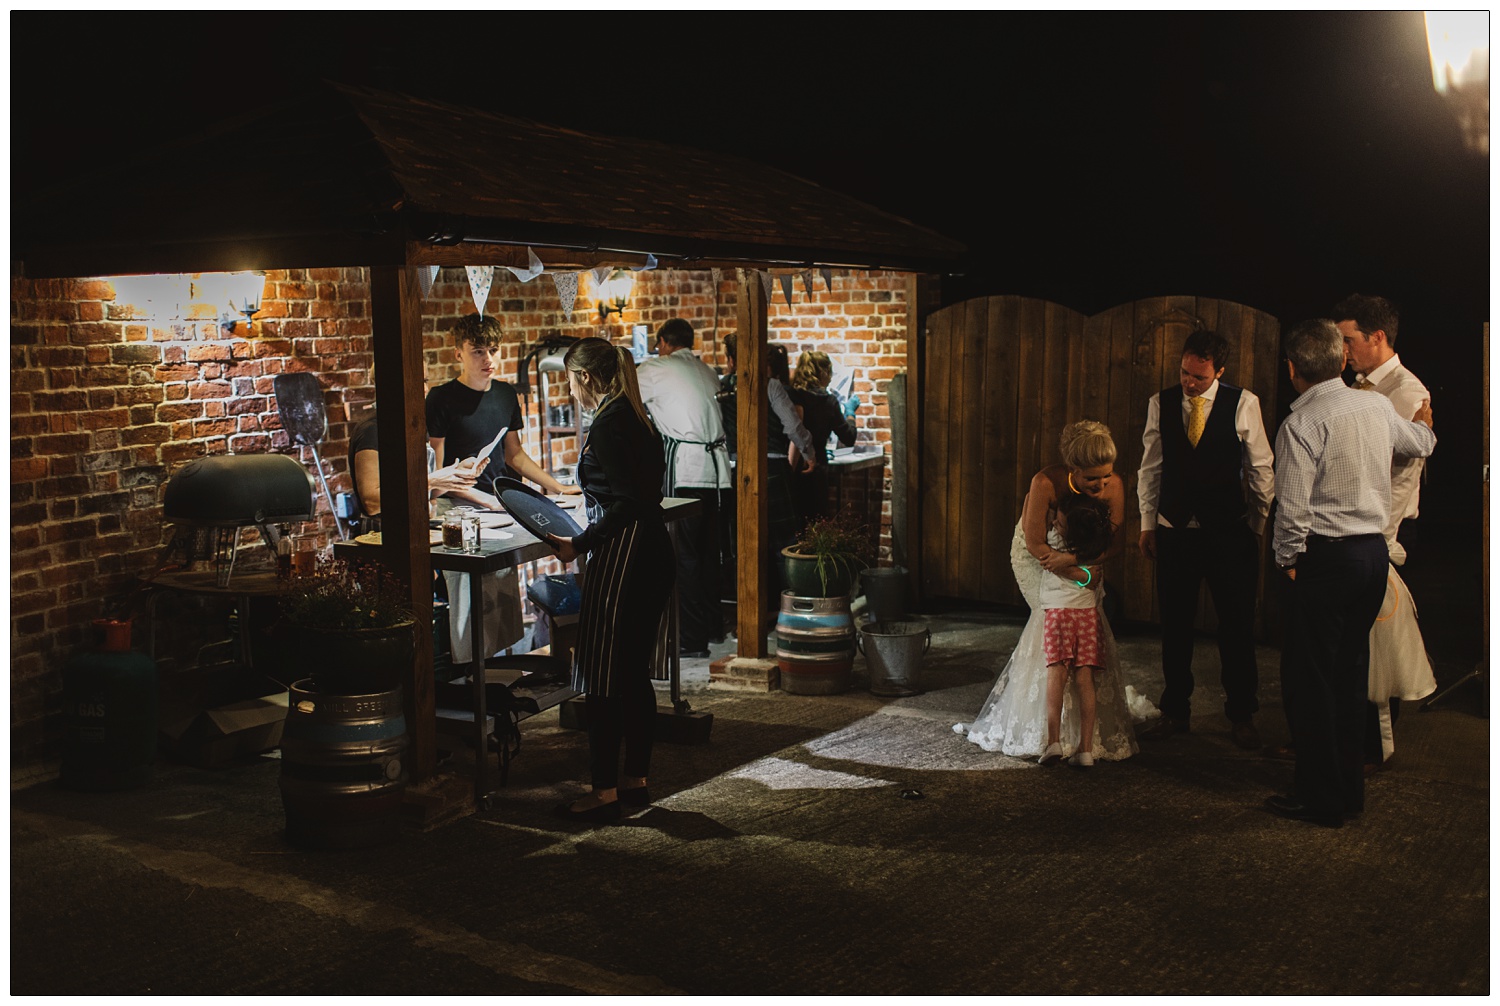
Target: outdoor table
(497, 553)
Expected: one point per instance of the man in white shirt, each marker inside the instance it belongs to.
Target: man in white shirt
(681, 391)
(1203, 443)
(1333, 504)
(1368, 325)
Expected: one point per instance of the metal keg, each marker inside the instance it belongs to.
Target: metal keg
(815, 644)
(343, 768)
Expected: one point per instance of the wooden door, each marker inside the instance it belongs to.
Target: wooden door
(1001, 378)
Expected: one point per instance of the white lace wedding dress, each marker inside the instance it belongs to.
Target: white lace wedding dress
(1013, 719)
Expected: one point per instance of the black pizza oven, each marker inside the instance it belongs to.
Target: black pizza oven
(212, 500)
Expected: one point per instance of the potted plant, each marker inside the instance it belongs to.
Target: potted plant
(827, 557)
(350, 626)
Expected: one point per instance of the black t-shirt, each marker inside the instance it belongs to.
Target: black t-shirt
(468, 420)
(364, 438)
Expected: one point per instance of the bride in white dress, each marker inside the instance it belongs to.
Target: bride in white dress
(1013, 719)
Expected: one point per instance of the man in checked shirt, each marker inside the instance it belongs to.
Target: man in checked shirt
(1333, 488)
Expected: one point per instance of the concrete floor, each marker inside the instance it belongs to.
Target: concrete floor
(782, 858)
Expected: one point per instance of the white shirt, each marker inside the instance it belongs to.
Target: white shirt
(1332, 455)
(1406, 394)
(1057, 591)
(679, 390)
(1255, 458)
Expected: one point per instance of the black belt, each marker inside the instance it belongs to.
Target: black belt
(1324, 539)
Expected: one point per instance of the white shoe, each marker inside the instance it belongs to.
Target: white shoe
(1052, 755)
(1082, 759)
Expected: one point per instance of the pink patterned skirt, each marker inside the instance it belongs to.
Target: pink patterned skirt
(1071, 636)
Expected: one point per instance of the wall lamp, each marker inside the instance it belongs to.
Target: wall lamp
(614, 293)
(243, 292)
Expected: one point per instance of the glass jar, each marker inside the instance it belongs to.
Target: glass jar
(453, 528)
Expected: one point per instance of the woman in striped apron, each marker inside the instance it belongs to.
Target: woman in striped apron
(628, 579)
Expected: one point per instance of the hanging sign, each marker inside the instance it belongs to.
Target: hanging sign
(480, 278)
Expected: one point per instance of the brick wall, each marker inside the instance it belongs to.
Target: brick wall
(107, 397)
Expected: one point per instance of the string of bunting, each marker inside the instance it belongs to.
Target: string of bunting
(482, 278)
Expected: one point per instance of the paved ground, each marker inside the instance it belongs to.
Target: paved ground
(782, 858)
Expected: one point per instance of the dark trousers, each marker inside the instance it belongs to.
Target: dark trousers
(1227, 558)
(1325, 666)
(629, 716)
(700, 614)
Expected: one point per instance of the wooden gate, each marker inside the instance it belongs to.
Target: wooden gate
(1002, 376)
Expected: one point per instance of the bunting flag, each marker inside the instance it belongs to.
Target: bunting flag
(827, 277)
(807, 282)
(650, 263)
(765, 281)
(567, 289)
(426, 275)
(480, 278)
(786, 287)
(718, 275)
(534, 268)
(600, 274)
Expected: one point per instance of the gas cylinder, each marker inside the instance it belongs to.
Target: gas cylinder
(109, 714)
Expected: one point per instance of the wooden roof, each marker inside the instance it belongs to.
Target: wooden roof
(351, 176)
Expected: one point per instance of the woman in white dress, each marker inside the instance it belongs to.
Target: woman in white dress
(1014, 719)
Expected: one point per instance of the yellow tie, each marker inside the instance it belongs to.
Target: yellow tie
(1363, 384)
(1196, 419)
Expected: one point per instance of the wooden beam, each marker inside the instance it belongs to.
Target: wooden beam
(396, 326)
(752, 407)
(922, 298)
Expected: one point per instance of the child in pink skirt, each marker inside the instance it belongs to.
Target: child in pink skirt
(1071, 639)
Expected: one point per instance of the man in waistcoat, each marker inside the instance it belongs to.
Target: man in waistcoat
(1205, 487)
(681, 393)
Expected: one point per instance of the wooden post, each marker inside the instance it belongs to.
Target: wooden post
(750, 464)
(396, 327)
(922, 297)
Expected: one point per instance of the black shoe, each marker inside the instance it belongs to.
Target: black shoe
(1288, 807)
(638, 797)
(692, 654)
(1166, 726)
(604, 813)
(1245, 735)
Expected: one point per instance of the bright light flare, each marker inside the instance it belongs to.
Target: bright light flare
(1458, 44)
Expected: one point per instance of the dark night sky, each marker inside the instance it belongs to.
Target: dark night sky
(1278, 160)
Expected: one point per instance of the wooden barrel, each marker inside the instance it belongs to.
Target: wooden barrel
(814, 644)
(343, 768)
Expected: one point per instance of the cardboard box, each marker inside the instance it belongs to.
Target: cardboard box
(217, 717)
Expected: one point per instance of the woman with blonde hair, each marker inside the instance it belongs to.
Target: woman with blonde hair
(628, 581)
(1060, 693)
(823, 417)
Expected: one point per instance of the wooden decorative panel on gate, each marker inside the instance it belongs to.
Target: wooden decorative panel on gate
(1002, 376)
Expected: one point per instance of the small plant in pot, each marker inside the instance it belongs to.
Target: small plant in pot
(350, 626)
(827, 557)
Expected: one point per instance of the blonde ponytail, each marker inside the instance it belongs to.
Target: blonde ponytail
(611, 369)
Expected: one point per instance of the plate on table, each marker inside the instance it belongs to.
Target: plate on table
(566, 502)
(489, 520)
(533, 511)
(373, 538)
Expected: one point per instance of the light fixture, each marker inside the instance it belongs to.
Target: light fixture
(614, 293)
(243, 292)
(1458, 46)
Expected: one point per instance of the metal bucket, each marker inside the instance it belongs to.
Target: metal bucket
(343, 768)
(893, 651)
(885, 592)
(815, 644)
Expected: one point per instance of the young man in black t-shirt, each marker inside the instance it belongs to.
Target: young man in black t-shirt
(464, 415)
